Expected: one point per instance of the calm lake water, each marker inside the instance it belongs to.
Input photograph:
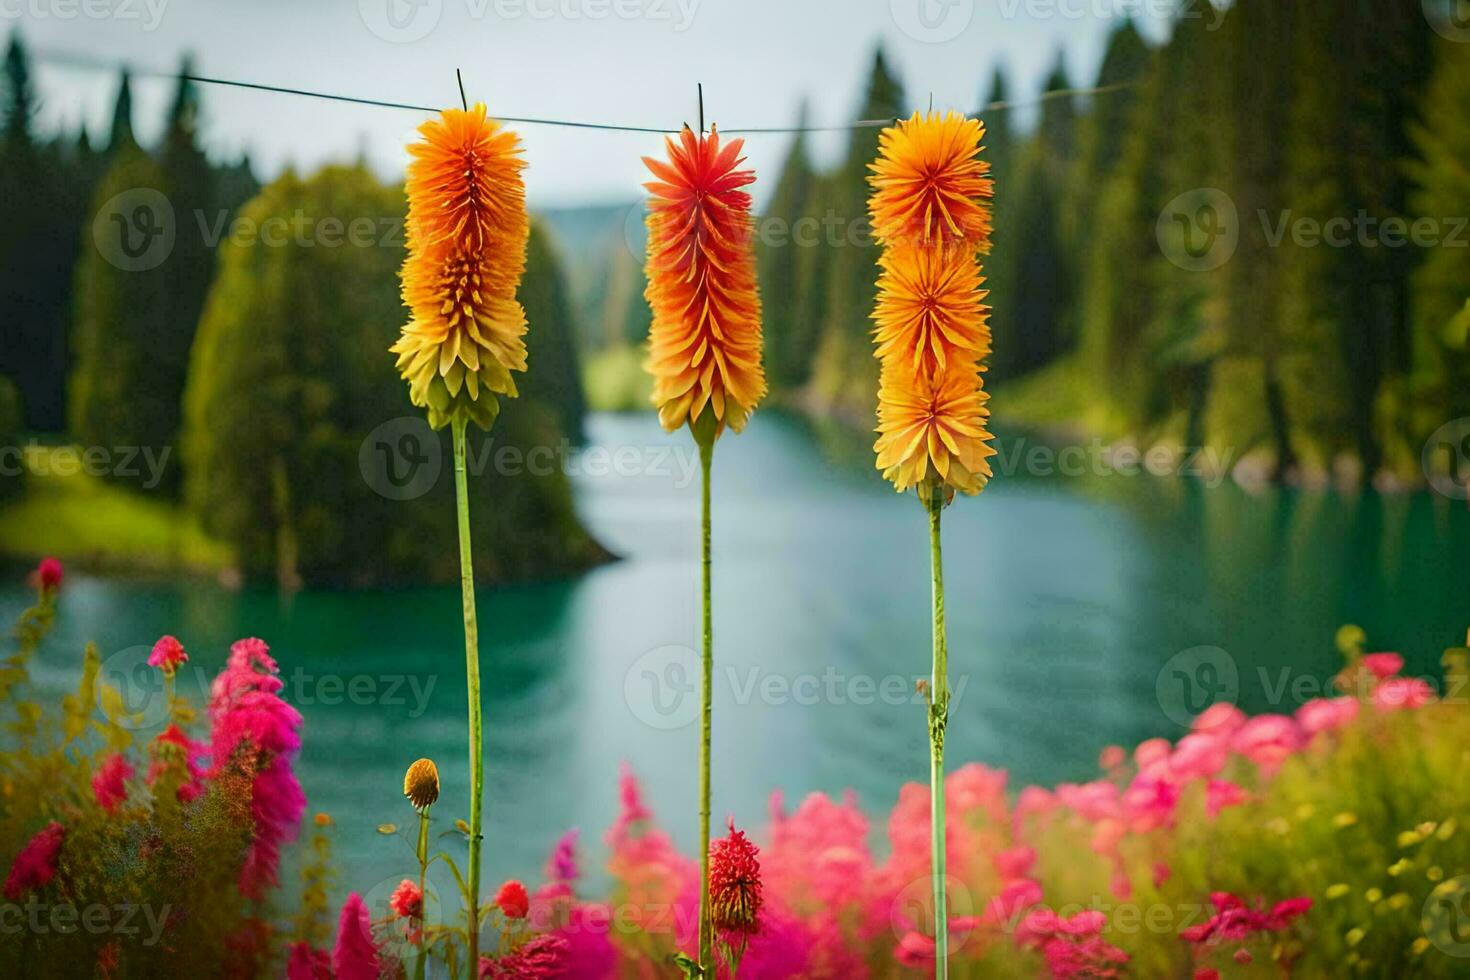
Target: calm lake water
(1077, 610)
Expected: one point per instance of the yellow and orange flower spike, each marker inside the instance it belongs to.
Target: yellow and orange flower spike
(929, 311)
(705, 341)
(467, 231)
(930, 186)
(932, 429)
(930, 210)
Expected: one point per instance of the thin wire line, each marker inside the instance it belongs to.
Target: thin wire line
(96, 64)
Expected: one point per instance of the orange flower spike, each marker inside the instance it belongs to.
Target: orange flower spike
(929, 311)
(467, 231)
(705, 341)
(930, 186)
(933, 429)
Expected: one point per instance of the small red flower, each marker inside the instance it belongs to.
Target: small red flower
(407, 902)
(513, 900)
(734, 884)
(49, 573)
(168, 655)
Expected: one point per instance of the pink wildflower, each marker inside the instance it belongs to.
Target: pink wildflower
(543, 958)
(1221, 793)
(407, 902)
(257, 732)
(562, 865)
(1221, 718)
(1383, 665)
(170, 746)
(305, 963)
(1199, 756)
(110, 782)
(1326, 714)
(1399, 693)
(1111, 757)
(1149, 802)
(356, 955)
(1267, 740)
(1073, 947)
(1236, 922)
(168, 655)
(1016, 862)
(1150, 751)
(35, 865)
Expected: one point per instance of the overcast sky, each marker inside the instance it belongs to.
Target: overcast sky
(634, 62)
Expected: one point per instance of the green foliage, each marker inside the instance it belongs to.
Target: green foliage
(11, 419)
(291, 373)
(128, 370)
(845, 375)
(779, 257)
(554, 375)
(46, 188)
(72, 514)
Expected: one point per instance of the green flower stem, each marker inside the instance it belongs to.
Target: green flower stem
(938, 718)
(423, 856)
(472, 681)
(706, 928)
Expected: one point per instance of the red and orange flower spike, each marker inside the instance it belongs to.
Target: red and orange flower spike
(930, 186)
(705, 341)
(467, 232)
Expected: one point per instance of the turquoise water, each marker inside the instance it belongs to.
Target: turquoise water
(1077, 610)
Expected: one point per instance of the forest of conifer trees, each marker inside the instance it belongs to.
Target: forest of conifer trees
(253, 371)
(1321, 142)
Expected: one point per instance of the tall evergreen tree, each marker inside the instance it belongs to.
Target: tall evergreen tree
(192, 192)
(999, 266)
(19, 98)
(1437, 387)
(121, 133)
(124, 385)
(555, 377)
(845, 376)
(792, 227)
